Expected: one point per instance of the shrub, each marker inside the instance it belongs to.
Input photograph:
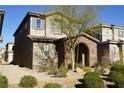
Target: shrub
(102, 68)
(28, 81)
(99, 70)
(118, 68)
(118, 78)
(62, 71)
(77, 65)
(120, 82)
(3, 82)
(52, 85)
(92, 80)
(87, 69)
(53, 72)
(42, 68)
(113, 76)
(117, 75)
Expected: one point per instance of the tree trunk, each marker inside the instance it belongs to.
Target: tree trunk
(72, 58)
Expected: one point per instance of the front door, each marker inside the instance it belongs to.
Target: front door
(82, 55)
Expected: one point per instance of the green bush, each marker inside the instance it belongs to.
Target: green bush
(28, 81)
(42, 68)
(52, 85)
(118, 68)
(92, 80)
(113, 76)
(100, 70)
(117, 75)
(53, 72)
(118, 78)
(87, 69)
(62, 71)
(102, 67)
(120, 82)
(3, 82)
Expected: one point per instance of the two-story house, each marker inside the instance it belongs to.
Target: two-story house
(111, 46)
(1, 24)
(2, 50)
(39, 40)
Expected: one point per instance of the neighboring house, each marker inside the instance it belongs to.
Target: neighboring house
(9, 52)
(1, 24)
(2, 50)
(38, 40)
(2, 55)
(111, 46)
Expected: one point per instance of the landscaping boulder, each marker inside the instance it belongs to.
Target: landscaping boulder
(79, 70)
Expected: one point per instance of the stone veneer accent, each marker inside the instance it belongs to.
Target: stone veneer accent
(92, 46)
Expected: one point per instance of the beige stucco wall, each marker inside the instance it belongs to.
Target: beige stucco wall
(10, 46)
(106, 34)
(2, 54)
(49, 32)
(9, 52)
(123, 52)
(10, 57)
(36, 32)
(41, 32)
(114, 53)
(116, 37)
(38, 54)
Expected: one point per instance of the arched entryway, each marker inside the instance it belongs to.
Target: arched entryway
(82, 54)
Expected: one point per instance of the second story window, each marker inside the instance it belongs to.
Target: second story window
(56, 26)
(38, 23)
(121, 34)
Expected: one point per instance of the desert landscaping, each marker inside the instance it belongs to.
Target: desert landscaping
(66, 47)
(14, 74)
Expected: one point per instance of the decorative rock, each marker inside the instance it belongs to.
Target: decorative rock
(106, 70)
(80, 70)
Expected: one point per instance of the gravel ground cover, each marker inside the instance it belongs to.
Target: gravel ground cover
(14, 74)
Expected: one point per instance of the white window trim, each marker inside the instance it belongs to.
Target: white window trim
(34, 23)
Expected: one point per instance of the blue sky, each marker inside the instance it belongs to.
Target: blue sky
(15, 14)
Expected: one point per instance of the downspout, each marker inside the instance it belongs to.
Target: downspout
(112, 28)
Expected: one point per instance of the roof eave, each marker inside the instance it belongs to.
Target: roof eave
(29, 14)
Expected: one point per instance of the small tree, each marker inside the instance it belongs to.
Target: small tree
(74, 20)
